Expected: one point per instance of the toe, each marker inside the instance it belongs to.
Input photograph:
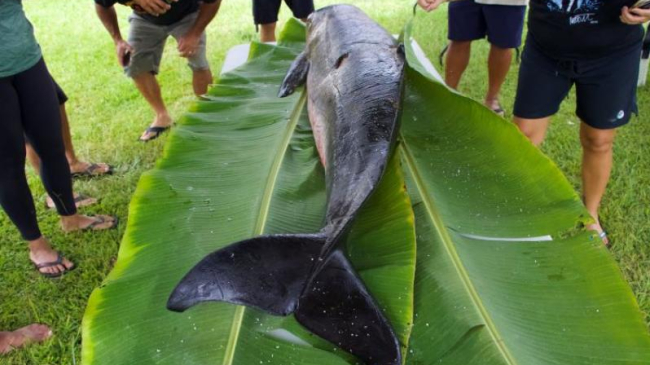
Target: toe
(103, 168)
(67, 264)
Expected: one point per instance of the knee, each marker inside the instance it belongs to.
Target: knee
(534, 130)
(597, 143)
(528, 129)
(12, 167)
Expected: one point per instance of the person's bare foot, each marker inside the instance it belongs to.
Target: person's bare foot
(87, 169)
(23, 336)
(40, 252)
(161, 121)
(598, 228)
(495, 106)
(79, 201)
(80, 222)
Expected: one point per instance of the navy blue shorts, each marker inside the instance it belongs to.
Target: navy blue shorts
(502, 24)
(605, 87)
(266, 11)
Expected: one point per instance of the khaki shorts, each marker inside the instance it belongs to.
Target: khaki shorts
(148, 41)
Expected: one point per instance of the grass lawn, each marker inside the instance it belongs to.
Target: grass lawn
(107, 115)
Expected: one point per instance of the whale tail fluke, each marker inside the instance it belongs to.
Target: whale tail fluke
(267, 272)
(275, 274)
(337, 307)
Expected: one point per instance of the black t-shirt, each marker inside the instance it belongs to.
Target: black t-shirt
(581, 29)
(178, 10)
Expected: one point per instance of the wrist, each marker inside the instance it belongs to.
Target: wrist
(194, 33)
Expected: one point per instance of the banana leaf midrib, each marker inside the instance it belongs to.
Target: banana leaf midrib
(443, 233)
(262, 217)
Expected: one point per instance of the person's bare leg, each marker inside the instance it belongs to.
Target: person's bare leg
(201, 79)
(10, 340)
(533, 129)
(457, 60)
(33, 159)
(267, 32)
(499, 62)
(76, 165)
(149, 88)
(598, 151)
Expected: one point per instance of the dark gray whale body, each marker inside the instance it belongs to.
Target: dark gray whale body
(353, 71)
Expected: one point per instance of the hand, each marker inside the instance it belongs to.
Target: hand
(122, 48)
(154, 7)
(429, 5)
(635, 16)
(188, 44)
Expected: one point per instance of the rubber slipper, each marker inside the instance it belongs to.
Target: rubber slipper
(97, 222)
(499, 111)
(80, 201)
(90, 171)
(157, 131)
(59, 261)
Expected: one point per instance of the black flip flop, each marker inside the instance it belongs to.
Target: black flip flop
(89, 172)
(59, 261)
(77, 199)
(157, 131)
(100, 220)
(500, 112)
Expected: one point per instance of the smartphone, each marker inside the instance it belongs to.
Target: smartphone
(641, 4)
(126, 58)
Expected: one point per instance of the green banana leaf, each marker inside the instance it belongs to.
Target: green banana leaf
(506, 273)
(242, 163)
(491, 288)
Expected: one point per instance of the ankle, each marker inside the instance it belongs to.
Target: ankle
(489, 100)
(39, 244)
(70, 221)
(73, 160)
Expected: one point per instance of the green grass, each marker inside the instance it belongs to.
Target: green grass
(107, 115)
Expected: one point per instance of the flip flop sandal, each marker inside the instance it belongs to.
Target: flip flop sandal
(59, 261)
(98, 221)
(603, 235)
(90, 171)
(157, 131)
(499, 111)
(78, 202)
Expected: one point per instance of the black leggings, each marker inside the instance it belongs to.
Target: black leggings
(29, 109)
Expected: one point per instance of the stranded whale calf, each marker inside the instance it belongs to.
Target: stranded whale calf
(353, 70)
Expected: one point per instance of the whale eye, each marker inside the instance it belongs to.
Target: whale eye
(340, 60)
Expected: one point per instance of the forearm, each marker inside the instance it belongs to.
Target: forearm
(207, 12)
(108, 16)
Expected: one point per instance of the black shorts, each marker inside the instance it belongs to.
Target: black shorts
(60, 95)
(502, 24)
(266, 11)
(605, 87)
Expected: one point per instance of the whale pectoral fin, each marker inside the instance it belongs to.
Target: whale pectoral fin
(267, 272)
(296, 76)
(338, 308)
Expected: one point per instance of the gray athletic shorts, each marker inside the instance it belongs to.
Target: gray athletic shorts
(148, 41)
